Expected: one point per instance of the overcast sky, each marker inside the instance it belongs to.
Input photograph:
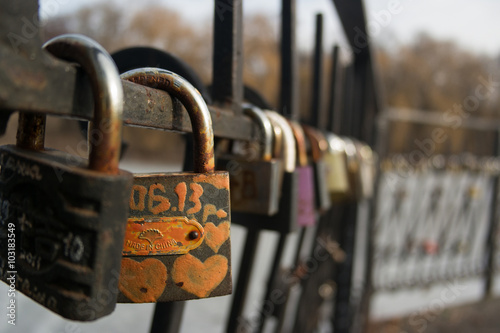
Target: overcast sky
(473, 24)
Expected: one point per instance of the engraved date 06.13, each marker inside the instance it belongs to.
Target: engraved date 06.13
(154, 199)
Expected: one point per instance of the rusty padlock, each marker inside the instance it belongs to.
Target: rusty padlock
(255, 180)
(177, 243)
(285, 220)
(67, 215)
(318, 146)
(306, 197)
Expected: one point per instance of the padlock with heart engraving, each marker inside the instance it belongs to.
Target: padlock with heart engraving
(306, 197)
(256, 176)
(318, 146)
(177, 243)
(285, 220)
(336, 164)
(63, 218)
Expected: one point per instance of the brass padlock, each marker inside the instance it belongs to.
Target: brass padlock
(336, 165)
(256, 177)
(177, 243)
(67, 215)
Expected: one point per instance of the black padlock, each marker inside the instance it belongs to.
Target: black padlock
(66, 215)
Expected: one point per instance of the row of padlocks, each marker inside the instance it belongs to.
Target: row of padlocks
(80, 235)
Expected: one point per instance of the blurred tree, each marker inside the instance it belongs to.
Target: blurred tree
(117, 28)
(433, 75)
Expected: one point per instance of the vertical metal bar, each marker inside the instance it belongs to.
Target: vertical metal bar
(31, 131)
(289, 74)
(241, 291)
(227, 75)
(358, 96)
(333, 111)
(316, 118)
(352, 125)
(167, 317)
(343, 313)
(288, 108)
(363, 315)
(492, 232)
(272, 279)
(346, 117)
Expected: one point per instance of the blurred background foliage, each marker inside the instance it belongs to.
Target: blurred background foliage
(427, 74)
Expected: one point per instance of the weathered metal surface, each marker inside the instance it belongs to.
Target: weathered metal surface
(255, 176)
(30, 79)
(227, 60)
(285, 220)
(31, 131)
(205, 271)
(69, 226)
(105, 134)
(202, 196)
(191, 99)
(68, 214)
(161, 235)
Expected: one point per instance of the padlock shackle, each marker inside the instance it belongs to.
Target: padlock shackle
(335, 143)
(107, 90)
(266, 129)
(300, 141)
(197, 109)
(289, 151)
(318, 142)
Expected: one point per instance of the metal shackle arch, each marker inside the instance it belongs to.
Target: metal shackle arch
(198, 112)
(108, 107)
(266, 129)
(289, 155)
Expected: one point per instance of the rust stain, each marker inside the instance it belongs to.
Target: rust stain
(219, 179)
(161, 236)
(216, 236)
(142, 282)
(199, 278)
(30, 79)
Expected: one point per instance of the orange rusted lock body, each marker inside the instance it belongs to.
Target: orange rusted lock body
(177, 244)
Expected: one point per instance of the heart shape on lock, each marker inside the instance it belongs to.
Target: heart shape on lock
(216, 236)
(142, 282)
(199, 278)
